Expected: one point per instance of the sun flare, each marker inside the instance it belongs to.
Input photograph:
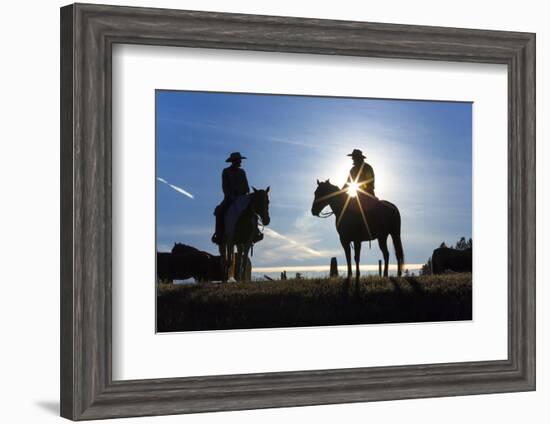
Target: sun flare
(353, 187)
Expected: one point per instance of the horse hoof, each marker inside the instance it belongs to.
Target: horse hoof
(231, 280)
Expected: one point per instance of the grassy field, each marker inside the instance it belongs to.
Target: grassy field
(313, 302)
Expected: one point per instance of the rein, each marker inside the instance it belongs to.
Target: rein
(260, 225)
(325, 214)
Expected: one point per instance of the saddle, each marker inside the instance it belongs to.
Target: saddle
(226, 224)
(370, 208)
(234, 212)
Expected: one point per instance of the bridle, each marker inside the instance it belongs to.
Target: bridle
(325, 214)
(253, 208)
(260, 226)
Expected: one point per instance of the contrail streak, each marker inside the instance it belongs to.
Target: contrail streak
(178, 189)
(274, 234)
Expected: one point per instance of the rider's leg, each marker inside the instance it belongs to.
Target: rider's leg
(218, 231)
(220, 215)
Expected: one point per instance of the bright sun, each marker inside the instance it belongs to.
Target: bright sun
(352, 189)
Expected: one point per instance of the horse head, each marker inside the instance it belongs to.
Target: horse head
(260, 204)
(183, 249)
(178, 248)
(325, 190)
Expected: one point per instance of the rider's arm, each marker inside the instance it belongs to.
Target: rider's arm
(225, 184)
(370, 176)
(245, 180)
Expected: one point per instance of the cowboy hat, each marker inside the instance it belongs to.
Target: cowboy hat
(357, 153)
(235, 156)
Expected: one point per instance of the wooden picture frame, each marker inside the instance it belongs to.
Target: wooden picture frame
(88, 33)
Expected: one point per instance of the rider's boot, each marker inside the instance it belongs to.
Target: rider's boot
(216, 238)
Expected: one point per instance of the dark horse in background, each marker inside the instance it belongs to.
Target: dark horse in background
(186, 261)
(445, 259)
(242, 235)
(356, 222)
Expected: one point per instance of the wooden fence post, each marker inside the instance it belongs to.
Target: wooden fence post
(333, 268)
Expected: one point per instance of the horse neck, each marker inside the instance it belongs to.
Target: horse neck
(336, 203)
(249, 210)
(250, 207)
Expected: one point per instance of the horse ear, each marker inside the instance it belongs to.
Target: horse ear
(328, 181)
(254, 188)
(318, 183)
(267, 189)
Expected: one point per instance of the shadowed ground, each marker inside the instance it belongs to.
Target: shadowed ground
(314, 302)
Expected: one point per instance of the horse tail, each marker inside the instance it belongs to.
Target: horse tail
(398, 246)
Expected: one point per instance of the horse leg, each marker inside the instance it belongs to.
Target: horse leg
(244, 262)
(223, 261)
(236, 263)
(357, 249)
(396, 237)
(383, 244)
(230, 261)
(239, 263)
(226, 262)
(347, 251)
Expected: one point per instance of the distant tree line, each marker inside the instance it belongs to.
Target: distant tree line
(461, 244)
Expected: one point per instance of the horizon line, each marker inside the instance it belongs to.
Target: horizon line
(321, 268)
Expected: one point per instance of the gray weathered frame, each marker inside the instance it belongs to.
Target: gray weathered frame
(88, 33)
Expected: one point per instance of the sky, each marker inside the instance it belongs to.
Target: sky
(421, 153)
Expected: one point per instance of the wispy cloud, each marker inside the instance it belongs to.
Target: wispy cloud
(293, 243)
(309, 141)
(175, 231)
(317, 146)
(305, 222)
(175, 187)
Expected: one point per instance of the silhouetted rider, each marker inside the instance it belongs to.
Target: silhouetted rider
(234, 184)
(234, 181)
(361, 173)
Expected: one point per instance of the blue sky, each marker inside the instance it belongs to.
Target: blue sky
(421, 153)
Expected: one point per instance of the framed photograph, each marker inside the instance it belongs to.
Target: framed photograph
(291, 283)
(264, 211)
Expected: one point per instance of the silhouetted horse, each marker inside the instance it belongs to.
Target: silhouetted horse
(185, 261)
(446, 259)
(164, 267)
(355, 222)
(241, 234)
